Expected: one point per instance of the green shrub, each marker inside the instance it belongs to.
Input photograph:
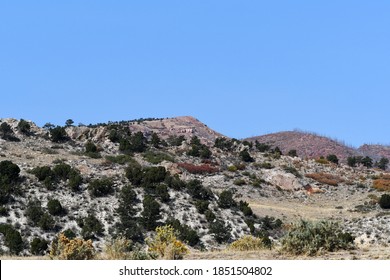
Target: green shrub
(210, 216)
(245, 156)
(316, 237)
(43, 172)
(38, 246)
(121, 159)
(198, 149)
(9, 177)
(384, 201)
(8, 133)
(75, 180)
(333, 158)
(101, 187)
(34, 212)
(245, 209)
(128, 225)
(262, 147)
(232, 168)
(46, 222)
(3, 211)
(6, 129)
(220, 231)
(91, 227)
(155, 141)
(293, 171)
(162, 193)
(251, 225)
(239, 182)
(24, 127)
(69, 234)
(175, 183)
(175, 140)
(266, 165)
(202, 206)
(198, 191)
(91, 150)
(133, 144)
(153, 175)
(62, 171)
(134, 174)
(270, 223)
(156, 157)
(12, 239)
(58, 134)
(9, 172)
(224, 144)
(351, 161)
(185, 233)
(151, 213)
(226, 200)
(292, 153)
(54, 207)
(90, 147)
(382, 163)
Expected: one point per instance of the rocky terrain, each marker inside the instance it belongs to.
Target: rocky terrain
(126, 178)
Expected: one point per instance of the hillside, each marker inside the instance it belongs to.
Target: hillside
(187, 126)
(375, 151)
(307, 145)
(125, 179)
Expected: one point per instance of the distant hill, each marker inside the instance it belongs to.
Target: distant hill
(307, 145)
(375, 151)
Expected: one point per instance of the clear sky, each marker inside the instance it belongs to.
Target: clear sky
(244, 68)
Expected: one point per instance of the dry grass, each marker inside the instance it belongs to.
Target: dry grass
(198, 169)
(366, 253)
(382, 184)
(325, 178)
(248, 243)
(322, 161)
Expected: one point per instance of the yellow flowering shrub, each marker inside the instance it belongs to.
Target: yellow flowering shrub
(166, 244)
(63, 248)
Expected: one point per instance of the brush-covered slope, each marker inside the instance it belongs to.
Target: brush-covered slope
(307, 145)
(126, 178)
(375, 151)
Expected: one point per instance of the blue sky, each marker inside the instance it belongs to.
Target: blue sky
(244, 68)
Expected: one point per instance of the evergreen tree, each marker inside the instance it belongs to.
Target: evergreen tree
(383, 162)
(333, 158)
(151, 213)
